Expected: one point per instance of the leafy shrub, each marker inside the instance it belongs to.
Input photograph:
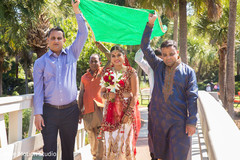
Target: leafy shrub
(237, 78)
(12, 84)
(26, 121)
(237, 87)
(202, 85)
(15, 93)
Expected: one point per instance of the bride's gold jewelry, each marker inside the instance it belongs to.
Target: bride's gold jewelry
(121, 70)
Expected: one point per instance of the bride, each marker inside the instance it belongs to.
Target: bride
(121, 121)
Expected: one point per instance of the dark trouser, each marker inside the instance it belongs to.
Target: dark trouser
(150, 136)
(170, 140)
(66, 122)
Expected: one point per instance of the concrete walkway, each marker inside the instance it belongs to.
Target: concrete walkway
(198, 151)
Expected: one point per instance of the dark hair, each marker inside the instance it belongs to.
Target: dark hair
(169, 43)
(56, 29)
(158, 52)
(118, 48)
(95, 54)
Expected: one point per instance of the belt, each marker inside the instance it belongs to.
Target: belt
(62, 106)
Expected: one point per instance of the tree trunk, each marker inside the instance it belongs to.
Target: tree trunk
(222, 73)
(129, 3)
(26, 73)
(230, 87)
(1, 71)
(183, 30)
(16, 58)
(40, 51)
(199, 71)
(175, 28)
(130, 47)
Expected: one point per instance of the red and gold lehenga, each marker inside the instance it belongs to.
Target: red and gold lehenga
(120, 139)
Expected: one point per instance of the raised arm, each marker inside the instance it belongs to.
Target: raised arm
(103, 49)
(82, 33)
(142, 62)
(145, 43)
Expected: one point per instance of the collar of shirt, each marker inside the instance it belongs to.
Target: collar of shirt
(50, 52)
(96, 73)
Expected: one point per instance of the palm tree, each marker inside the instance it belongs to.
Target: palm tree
(175, 27)
(15, 23)
(217, 32)
(4, 47)
(171, 6)
(202, 57)
(37, 36)
(1, 69)
(238, 59)
(214, 13)
(183, 30)
(230, 87)
(37, 24)
(8, 17)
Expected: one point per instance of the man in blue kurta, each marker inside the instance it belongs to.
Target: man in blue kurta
(173, 106)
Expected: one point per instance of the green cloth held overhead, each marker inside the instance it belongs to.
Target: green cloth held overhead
(117, 24)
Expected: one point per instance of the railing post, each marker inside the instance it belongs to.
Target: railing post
(32, 127)
(3, 134)
(15, 126)
(77, 143)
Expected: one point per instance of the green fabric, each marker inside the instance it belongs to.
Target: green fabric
(117, 24)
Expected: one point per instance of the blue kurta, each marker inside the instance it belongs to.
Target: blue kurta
(169, 116)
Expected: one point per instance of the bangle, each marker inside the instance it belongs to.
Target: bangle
(105, 95)
(150, 25)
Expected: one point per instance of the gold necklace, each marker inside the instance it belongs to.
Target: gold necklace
(120, 71)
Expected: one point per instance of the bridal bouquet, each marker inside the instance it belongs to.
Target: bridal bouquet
(112, 80)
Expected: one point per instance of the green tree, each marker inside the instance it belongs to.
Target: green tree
(217, 32)
(7, 17)
(202, 57)
(214, 13)
(15, 23)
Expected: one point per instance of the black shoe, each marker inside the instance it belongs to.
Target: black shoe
(152, 156)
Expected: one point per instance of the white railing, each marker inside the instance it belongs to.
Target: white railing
(222, 136)
(12, 146)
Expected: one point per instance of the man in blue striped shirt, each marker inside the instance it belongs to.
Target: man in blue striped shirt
(55, 90)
